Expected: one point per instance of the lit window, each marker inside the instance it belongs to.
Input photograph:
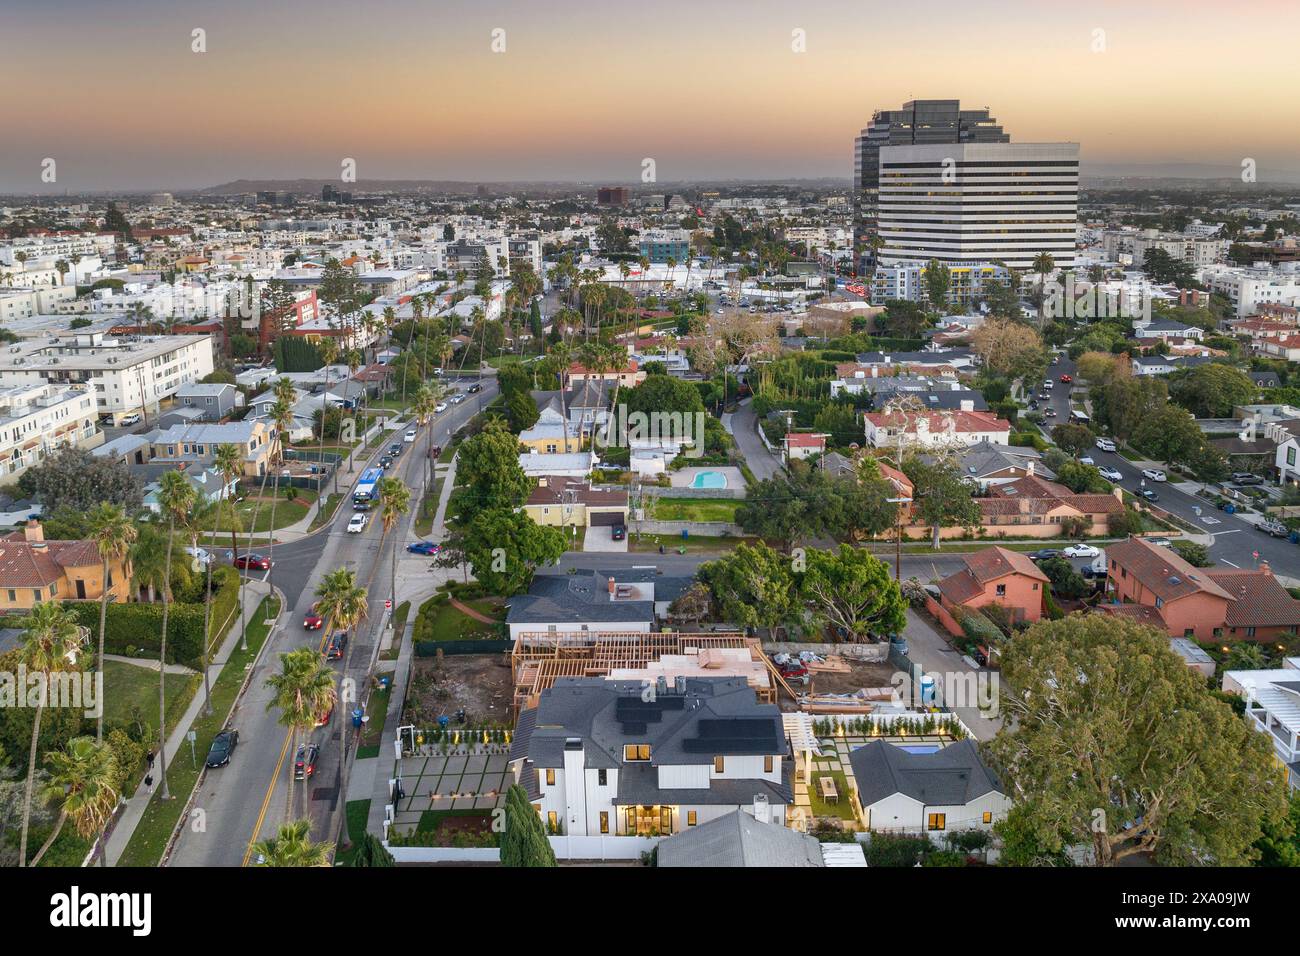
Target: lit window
(718, 764)
(691, 818)
(988, 816)
(768, 761)
(604, 821)
(636, 751)
(936, 821)
(550, 777)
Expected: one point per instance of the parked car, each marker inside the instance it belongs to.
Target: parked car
(1153, 474)
(357, 523)
(304, 765)
(1149, 495)
(325, 718)
(409, 436)
(1044, 554)
(1081, 551)
(1106, 444)
(1066, 379)
(1110, 474)
(132, 419)
(423, 547)
(202, 556)
(337, 645)
(223, 745)
(1273, 527)
(313, 621)
(1086, 460)
(1246, 478)
(252, 562)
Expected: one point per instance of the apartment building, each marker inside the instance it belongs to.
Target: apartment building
(597, 758)
(1195, 250)
(36, 420)
(128, 374)
(906, 281)
(659, 245)
(1249, 289)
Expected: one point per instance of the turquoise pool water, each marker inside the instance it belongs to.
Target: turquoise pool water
(919, 748)
(709, 479)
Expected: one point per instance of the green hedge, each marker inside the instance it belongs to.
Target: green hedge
(135, 630)
(979, 628)
(485, 646)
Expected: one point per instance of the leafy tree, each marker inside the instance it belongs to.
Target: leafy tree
(1010, 349)
(1002, 299)
(506, 547)
(753, 586)
(938, 279)
(903, 319)
(1081, 478)
(1213, 390)
(1072, 438)
(1280, 843)
(943, 499)
(1111, 741)
(1066, 581)
(1197, 555)
(693, 604)
(663, 394)
(488, 467)
(1126, 522)
(73, 478)
(523, 842)
(1099, 368)
(521, 411)
(1170, 434)
(1161, 267)
(851, 589)
(1028, 840)
(370, 851)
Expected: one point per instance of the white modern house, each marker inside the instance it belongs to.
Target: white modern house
(1273, 708)
(604, 757)
(933, 793)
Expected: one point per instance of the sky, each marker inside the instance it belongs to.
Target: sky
(114, 92)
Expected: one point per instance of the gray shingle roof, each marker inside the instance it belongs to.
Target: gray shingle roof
(952, 776)
(584, 598)
(737, 839)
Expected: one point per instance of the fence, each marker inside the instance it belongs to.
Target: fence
(565, 848)
(449, 648)
(858, 652)
(709, 529)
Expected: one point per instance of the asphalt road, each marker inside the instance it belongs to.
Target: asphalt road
(247, 799)
(744, 426)
(1236, 541)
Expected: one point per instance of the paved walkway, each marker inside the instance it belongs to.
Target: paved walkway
(138, 801)
(928, 649)
(470, 612)
(149, 664)
(743, 426)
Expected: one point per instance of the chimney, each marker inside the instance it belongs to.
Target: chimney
(1263, 566)
(1119, 494)
(611, 588)
(33, 533)
(762, 810)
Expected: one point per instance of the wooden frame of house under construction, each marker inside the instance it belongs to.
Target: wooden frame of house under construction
(539, 658)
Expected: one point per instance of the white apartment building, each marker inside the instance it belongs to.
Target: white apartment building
(1249, 288)
(18, 304)
(58, 247)
(35, 420)
(596, 758)
(129, 374)
(1197, 251)
(979, 202)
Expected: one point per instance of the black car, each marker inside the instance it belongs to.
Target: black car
(1044, 554)
(1149, 495)
(620, 532)
(473, 389)
(337, 645)
(304, 765)
(395, 449)
(386, 461)
(223, 745)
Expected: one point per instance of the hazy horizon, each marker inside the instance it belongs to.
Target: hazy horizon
(413, 90)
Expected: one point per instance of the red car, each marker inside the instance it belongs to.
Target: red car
(326, 717)
(1066, 378)
(254, 562)
(794, 671)
(313, 621)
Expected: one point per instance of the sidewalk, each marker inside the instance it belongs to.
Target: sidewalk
(382, 766)
(135, 806)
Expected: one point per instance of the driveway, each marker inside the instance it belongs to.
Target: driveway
(927, 649)
(602, 539)
(743, 425)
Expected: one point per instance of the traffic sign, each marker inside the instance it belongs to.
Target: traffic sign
(388, 604)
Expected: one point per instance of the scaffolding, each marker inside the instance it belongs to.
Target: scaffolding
(538, 659)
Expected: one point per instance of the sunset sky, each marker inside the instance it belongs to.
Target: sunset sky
(710, 89)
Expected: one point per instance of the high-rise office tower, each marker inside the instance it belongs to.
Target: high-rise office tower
(978, 202)
(918, 122)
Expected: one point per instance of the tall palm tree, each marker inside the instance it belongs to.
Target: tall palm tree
(113, 534)
(1043, 265)
(50, 646)
(343, 602)
(202, 511)
(83, 781)
(303, 692)
(176, 498)
(394, 501)
(282, 412)
(229, 465)
(292, 846)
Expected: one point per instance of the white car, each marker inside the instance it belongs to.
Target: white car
(1106, 444)
(1049, 385)
(442, 407)
(1081, 551)
(409, 436)
(357, 524)
(1086, 460)
(1111, 474)
(202, 556)
(132, 419)
(1154, 474)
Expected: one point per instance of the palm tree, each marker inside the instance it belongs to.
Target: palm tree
(50, 646)
(292, 846)
(176, 498)
(113, 534)
(1043, 264)
(146, 562)
(394, 501)
(282, 412)
(344, 604)
(83, 780)
(304, 692)
(194, 526)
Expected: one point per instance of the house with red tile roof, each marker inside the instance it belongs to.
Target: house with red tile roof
(803, 445)
(996, 576)
(1033, 507)
(935, 428)
(33, 570)
(1155, 585)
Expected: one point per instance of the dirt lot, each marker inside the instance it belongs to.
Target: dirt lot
(858, 676)
(480, 683)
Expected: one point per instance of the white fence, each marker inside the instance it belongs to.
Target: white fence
(565, 847)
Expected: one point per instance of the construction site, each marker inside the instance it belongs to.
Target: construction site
(830, 684)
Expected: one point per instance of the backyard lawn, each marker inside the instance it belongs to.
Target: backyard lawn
(695, 544)
(842, 809)
(695, 509)
(444, 622)
(286, 512)
(131, 692)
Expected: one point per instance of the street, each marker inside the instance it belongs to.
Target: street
(245, 800)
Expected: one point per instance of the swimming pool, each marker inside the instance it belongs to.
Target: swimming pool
(919, 748)
(709, 479)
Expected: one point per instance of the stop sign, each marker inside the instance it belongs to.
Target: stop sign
(388, 605)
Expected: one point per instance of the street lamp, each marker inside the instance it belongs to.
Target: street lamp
(898, 541)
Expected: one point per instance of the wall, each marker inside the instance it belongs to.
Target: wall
(565, 847)
(860, 652)
(712, 529)
(940, 614)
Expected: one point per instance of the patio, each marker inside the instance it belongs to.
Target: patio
(455, 782)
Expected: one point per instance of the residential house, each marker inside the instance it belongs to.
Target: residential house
(738, 839)
(254, 439)
(801, 445)
(1154, 585)
(1273, 708)
(985, 463)
(596, 757)
(209, 486)
(629, 376)
(629, 600)
(1034, 508)
(926, 793)
(573, 465)
(33, 570)
(1166, 329)
(216, 400)
(551, 434)
(935, 429)
(565, 502)
(996, 576)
